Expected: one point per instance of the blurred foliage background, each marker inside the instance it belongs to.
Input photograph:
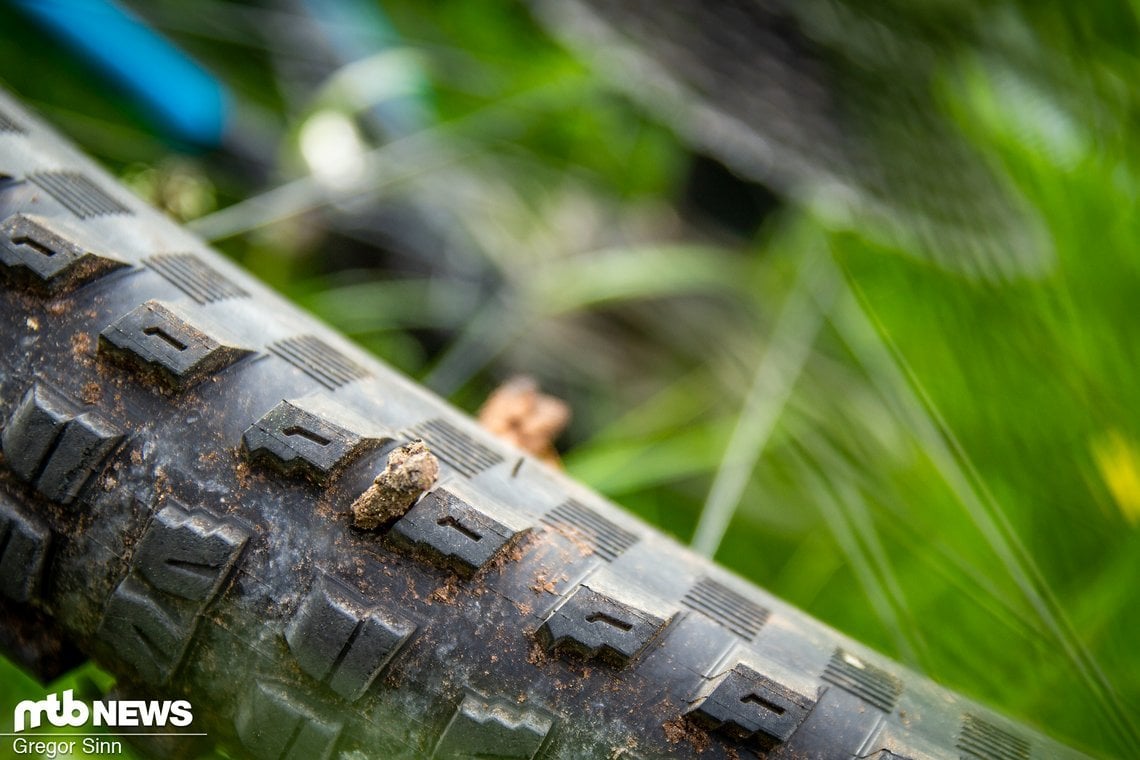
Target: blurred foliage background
(844, 293)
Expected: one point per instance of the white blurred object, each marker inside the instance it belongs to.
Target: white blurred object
(333, 149)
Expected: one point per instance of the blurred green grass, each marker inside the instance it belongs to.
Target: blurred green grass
(924, 390)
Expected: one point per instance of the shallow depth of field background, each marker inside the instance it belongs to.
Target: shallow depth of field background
(914, 416)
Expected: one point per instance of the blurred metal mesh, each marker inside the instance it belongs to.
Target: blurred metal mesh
(829, 103)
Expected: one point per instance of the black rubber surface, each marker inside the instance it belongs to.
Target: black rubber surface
(180, 448)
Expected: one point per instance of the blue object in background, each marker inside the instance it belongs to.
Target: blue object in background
(186, 101)
(359, 29)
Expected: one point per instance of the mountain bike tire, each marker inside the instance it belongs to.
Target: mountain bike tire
(180, 449)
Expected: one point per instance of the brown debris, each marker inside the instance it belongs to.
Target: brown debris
(91, 393)
(576, 537)
(509, 555)
(537, 655)
(543, 584)
(80, 345)
(446, 593)
(678, 730)
(629, 750)
(410, 471)
(242, 473)
(518, 413)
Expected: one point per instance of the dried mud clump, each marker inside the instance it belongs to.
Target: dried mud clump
(410, 471)
(518, 413)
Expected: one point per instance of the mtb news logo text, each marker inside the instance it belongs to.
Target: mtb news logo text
(69, 711)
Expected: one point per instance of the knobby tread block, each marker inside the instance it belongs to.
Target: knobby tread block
(151, 635)
(81, 447)
(607, 539)
(318, 360)
(78, 194)
(31, 432)
(274, 725)
(156, 340)
(592, 624)
(188, 555)
(40, 251)
(343, 642)
(981, 739)
(455, 447)
(751, 707)
(24, 544)
(178, 568)
(47, 444)
(297, 441)
(871, 684)
(454, 532)
(195, 277)
(497, 728)
(731, 609)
